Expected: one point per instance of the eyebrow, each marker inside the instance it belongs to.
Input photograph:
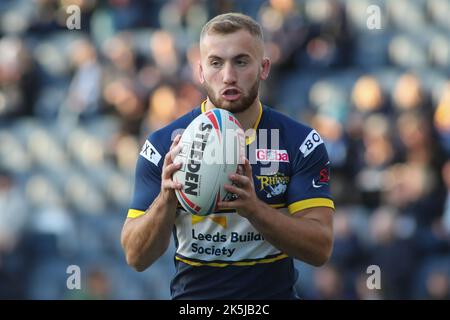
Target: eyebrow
(239, 56)
(242, 55)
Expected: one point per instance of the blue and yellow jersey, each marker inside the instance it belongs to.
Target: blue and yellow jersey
(222, 256)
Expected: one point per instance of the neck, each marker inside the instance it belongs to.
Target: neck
(246, 118)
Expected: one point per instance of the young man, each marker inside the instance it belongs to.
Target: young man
(246, 250)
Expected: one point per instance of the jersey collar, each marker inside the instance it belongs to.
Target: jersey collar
(249, 139)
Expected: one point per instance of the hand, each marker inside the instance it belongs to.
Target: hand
(247, 200)
(168, 186)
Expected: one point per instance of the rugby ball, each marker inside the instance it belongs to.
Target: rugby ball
(211, 148)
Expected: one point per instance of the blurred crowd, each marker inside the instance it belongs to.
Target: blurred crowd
(76, 105)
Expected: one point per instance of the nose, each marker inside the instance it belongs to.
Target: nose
(229, 74)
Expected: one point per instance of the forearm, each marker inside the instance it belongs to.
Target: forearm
(146, 238)
(302, 238)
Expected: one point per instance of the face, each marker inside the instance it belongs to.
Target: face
(231, 67)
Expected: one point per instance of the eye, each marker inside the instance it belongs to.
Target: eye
(216, 63)
(241, 63)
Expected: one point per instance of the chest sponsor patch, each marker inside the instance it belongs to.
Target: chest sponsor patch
(221, 238)
(272, 155)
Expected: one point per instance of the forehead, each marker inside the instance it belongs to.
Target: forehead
(230, 45)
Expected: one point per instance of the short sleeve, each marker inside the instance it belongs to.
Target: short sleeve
(147, 184)
(309, 184)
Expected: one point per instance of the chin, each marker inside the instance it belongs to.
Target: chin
(232, 106)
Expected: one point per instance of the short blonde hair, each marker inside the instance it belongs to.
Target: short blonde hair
(231, 22)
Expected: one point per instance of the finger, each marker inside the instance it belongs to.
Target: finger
(170, 156)
(175, 151)
(238, 191)
(171, 169)
(167, 160)
(240, 180)
(169, 184)
(248, 172)
(236, 204)
(175, 141)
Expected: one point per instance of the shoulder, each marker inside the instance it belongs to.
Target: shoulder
(162, 138)
(157, 143)
(298, 136)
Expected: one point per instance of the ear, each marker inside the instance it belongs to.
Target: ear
(201, 76)
(265, 68)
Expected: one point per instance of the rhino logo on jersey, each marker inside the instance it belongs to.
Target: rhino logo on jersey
(274, 185)
(277, 190)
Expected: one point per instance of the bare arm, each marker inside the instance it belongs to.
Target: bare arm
(146, 238)
(306, 235)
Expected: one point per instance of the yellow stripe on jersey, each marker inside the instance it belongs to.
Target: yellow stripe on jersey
(310, 203)
(252, 138)
(276, 206)
(204, 106)
(222, 220)
(133, 213)
(238, 263)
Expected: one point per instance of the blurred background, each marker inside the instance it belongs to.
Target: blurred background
(76, 105)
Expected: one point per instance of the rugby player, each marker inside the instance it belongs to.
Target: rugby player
(246, 249)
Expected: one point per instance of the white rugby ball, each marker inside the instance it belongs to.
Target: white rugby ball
(212, 146)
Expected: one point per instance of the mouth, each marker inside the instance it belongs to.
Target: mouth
(231, 94)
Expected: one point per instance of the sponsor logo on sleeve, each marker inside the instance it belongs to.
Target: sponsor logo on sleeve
(311, 142)
(324, 177)
(150, 153)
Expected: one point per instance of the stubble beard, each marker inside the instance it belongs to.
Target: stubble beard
(238, 106)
